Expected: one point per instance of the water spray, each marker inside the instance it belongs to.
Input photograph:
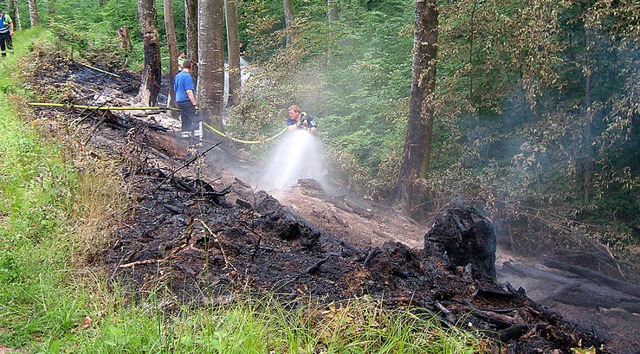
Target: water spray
(298, 155)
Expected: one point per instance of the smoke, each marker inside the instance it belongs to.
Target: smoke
(298, 155)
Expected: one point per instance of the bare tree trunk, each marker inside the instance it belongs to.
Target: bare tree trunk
(417, 149)
(170, 30)
(152, 72)
(211, 57)
(233, 52)
(191, 19)
(122, 34)
(472, 29)
(288, 19)
(588, 115)
(332, 10)
(14, 12)
(33, 13)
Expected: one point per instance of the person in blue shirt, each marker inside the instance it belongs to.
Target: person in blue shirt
(300, 120)
(186, 100)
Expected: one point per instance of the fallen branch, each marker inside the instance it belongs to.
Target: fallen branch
(215, 238)
(96, 69)
(95, 128)
(316, 267)
(150, 261)
(185, 165)
(146, 261)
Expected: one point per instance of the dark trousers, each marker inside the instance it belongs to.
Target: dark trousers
(5, 43)
(189, 116)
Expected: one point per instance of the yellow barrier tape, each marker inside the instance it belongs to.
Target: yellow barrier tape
(242, 141)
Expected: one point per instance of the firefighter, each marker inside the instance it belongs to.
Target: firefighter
(300, 120)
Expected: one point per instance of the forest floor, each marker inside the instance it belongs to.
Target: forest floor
(201, 229)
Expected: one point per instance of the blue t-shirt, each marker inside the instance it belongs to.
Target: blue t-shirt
(181, 84)
(304, 117)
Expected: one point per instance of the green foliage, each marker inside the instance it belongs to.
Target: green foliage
(352, 82)
(100, 20)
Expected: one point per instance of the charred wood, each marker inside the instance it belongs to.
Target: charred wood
(243, 203)
(370, 256)
(465, 237)
(316, 267)
(173, 208)
(514, 332)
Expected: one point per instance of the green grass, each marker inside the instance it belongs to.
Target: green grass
(54, 204)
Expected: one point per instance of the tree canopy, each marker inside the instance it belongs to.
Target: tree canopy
(536, 101)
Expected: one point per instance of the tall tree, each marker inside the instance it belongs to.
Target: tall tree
(152, 72)
(587, 143)
(191, 19)
(14, 13)
(33, 13)
(211, 58)
(233, 52)
(288, 19)
(417, 147)
(332, 6)
(169, 29)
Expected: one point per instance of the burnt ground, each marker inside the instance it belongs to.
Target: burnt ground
(204, 235)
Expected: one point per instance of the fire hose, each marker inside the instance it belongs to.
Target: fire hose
(113, 108)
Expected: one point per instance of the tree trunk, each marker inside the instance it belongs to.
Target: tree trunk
(33, 13)
(152, 72)
(332, 10)
(122, 34)
(417, 148)
(170, 30)
(14, 12)
(588, 116)
(233, 53)
(288, 20)
(211, 57)
(191, 19)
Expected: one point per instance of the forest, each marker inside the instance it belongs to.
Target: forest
(528, 110)
(533, 104)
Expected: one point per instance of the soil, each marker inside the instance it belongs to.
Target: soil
(200, 230)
